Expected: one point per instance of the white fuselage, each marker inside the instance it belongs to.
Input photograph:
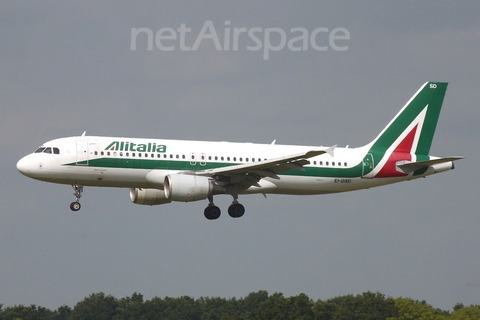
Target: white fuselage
(126, 163)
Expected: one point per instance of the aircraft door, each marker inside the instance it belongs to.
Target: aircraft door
(82, 153)
(200, 158)
(367, 166)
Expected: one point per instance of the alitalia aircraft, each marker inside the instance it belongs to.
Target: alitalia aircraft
(159, 171)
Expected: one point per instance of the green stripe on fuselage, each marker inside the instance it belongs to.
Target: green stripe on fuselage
(161, 164)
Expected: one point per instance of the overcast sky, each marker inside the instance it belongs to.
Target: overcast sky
(68, 67)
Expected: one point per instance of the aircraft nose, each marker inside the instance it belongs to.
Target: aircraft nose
(24, 166)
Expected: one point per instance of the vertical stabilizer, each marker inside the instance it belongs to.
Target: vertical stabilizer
(409, 135)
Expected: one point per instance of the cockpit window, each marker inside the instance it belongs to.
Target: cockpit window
(48, 150)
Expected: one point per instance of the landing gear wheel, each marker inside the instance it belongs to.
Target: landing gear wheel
(236, 210)
(212, 212)
(75, 206)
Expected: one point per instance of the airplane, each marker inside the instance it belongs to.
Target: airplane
(159, 171)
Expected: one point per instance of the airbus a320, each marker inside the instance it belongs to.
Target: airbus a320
(159, 171)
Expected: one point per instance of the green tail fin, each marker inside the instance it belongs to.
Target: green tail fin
(417, 119)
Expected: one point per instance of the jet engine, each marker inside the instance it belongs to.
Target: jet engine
(155, 178)
(148, 197)
(183, 187)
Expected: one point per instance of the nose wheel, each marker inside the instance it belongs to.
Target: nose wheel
(75, 206)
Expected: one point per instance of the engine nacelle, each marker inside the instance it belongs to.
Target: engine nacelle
(148, 197)
(184, 187)
(155, 178)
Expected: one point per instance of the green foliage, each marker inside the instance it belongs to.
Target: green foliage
(409, 309)
(466, 313)
(96, 306)
(256, 306)
(32, 312)
(365, 306)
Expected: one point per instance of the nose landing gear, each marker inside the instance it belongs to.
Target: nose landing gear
(75, 206)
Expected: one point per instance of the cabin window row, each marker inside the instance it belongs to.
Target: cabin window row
(171, 156)
(328, 163)
(202, 157)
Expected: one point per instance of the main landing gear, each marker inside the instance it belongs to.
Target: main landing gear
(235, 210)
(75, 206)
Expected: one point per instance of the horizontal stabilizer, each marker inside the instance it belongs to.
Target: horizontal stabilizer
(408, 166)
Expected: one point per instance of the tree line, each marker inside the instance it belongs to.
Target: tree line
(257, 305)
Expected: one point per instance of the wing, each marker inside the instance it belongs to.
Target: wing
(249, 174)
